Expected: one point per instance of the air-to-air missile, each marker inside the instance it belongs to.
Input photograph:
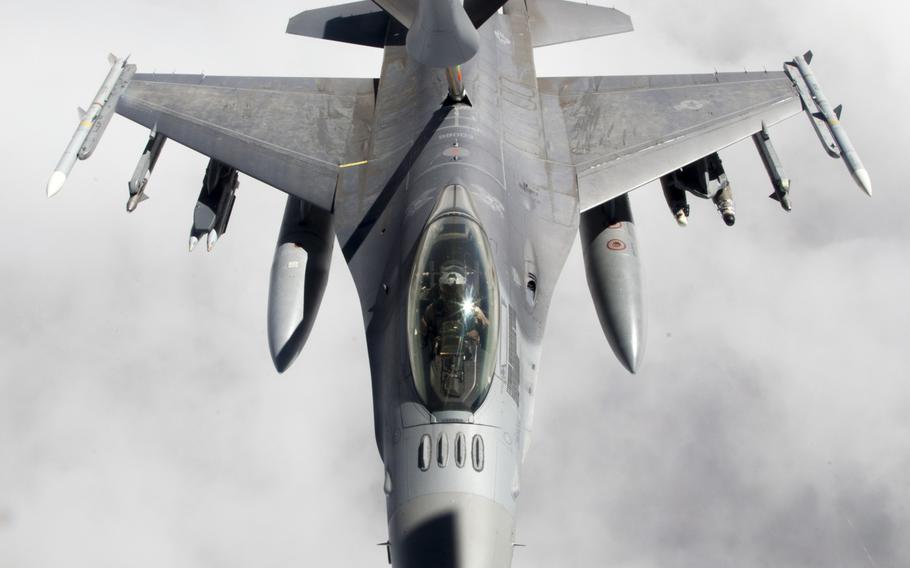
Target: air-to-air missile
(614, 277)
(774, 168)
(811, 92)
(92, 122)
(213, 208)
(300, 271)
(144, 169)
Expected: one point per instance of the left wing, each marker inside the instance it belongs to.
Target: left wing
(625, 132)
(291, 133)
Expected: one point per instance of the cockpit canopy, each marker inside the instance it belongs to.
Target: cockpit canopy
(453, 315)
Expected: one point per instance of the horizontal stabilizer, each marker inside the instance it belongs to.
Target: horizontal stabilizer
(359, 23)
(560, 21)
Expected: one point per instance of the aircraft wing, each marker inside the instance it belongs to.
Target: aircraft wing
(625, 132)
(290, 133)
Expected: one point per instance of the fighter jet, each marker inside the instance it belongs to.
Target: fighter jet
(455, 184)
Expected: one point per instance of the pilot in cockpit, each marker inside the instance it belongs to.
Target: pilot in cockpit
(452, 317)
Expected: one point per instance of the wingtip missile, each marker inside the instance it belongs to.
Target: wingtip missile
(55, 183)
(830, 117)
(92, 122)
(863, 180)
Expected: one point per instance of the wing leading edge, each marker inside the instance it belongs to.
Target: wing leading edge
(291, 133)
(625, 132)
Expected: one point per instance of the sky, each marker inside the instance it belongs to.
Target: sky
(142, 423)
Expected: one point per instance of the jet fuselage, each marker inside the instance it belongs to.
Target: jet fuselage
(453, 466)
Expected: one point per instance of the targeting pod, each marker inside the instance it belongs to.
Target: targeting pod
(144, 169)
(779, 180)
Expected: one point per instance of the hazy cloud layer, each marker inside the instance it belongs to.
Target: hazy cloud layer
(141, 423)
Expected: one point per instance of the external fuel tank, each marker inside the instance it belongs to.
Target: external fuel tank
(300, 271)
(614, 277)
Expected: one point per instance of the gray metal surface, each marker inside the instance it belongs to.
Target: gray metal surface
(402, 10)
(441, 34)
(613, 268)
(625, 132)
(360, 23)
(300, 272)
(451, 530)
(561, 21)
(289, 133)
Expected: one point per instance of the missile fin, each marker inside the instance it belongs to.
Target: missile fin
(81, 112)
(839, 110)
(808, 56)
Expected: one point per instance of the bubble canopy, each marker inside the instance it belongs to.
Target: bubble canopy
(453, 313)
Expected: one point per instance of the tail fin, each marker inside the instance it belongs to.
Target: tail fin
(360, 23)
(367, 22)
(560, 21)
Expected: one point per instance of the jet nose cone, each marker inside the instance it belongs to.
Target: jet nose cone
(451, 530)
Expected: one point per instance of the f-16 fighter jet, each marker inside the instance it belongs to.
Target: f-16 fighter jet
(456, 184)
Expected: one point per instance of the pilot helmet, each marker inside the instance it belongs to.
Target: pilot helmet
(451, 283)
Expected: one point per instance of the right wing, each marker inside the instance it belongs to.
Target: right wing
(624, 132)
(293, 134)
